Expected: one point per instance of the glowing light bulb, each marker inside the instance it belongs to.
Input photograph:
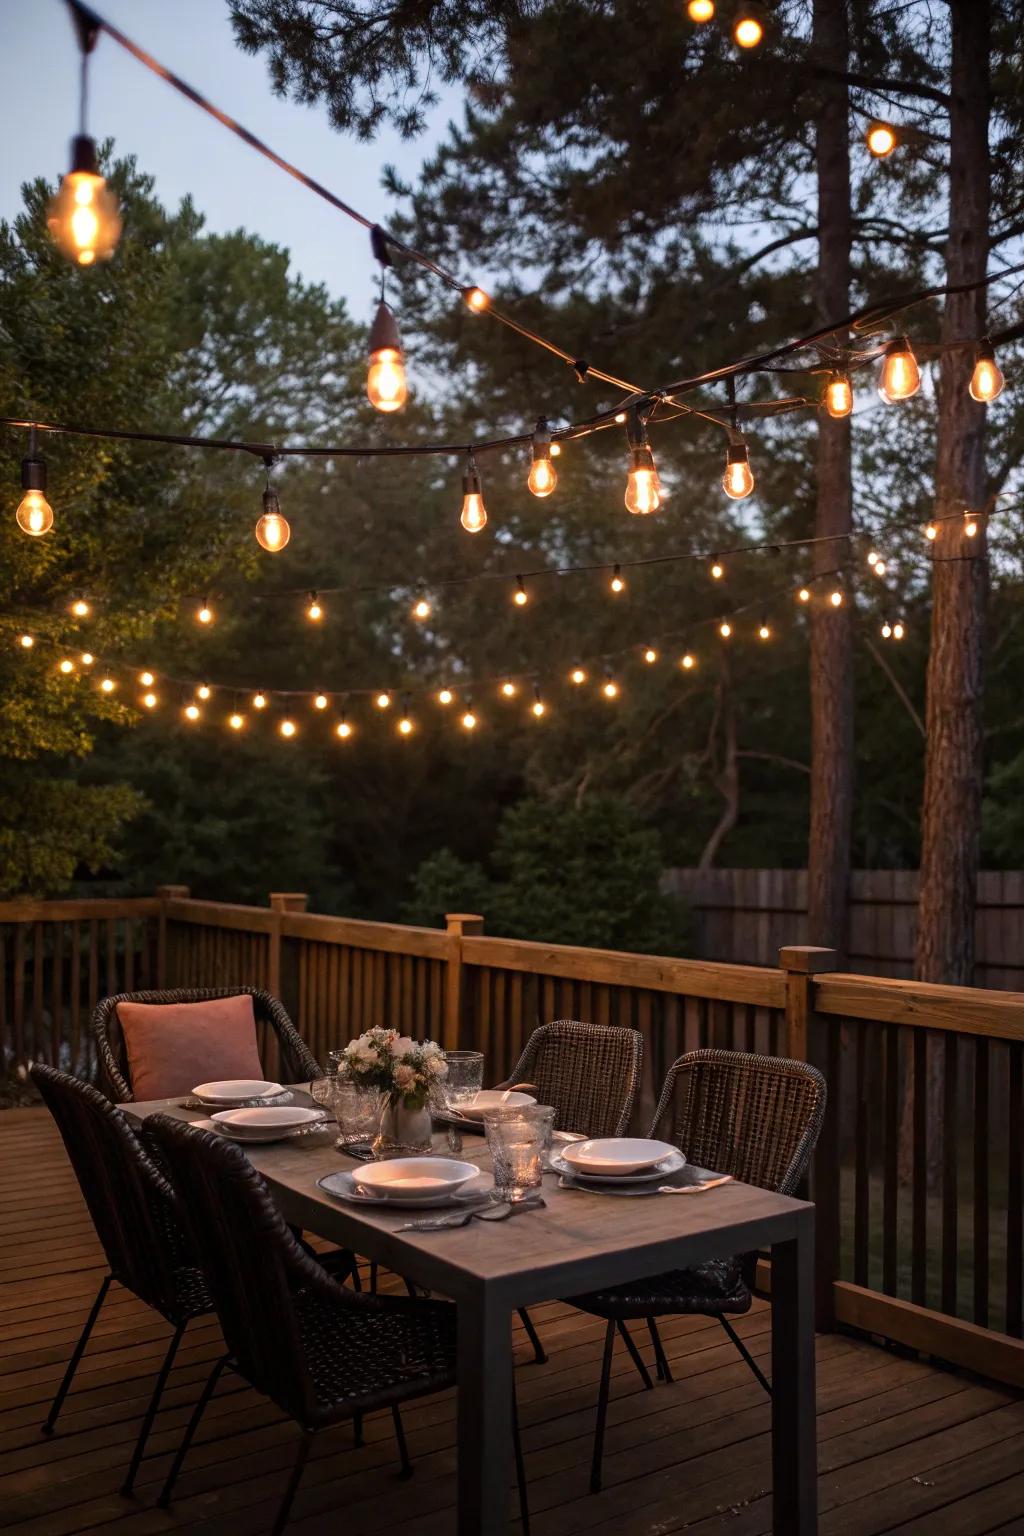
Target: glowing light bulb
(886, 630)
(509, 689)
(385, 383)
(192, 712)
(26, 642)
(314, 609)
(880, 567)
(987, 380)
(764, 631)
(556, 449)
(872, 557)
(273, 529)
(748, 27)
(259, 701)
(900, 377)
(737, 481)
(236, 721)
(383, 700)
(881, 139)
(931, 532)
(146, 679)
(476, 299)
(542, 478)
(343, 729)
(108, 685)
(87, 658)
(577, 676)
(717, 570)
(520, 596)
(700, 10)
(80, 608)
(405, 726)
(445, 696)
(538, 706)
(970, 525)
(34, 515)
(150, 700)
(643, 488)
(610, 687)
(82, 215)
(205, 613)
(617, 584)
(422, 609)
(66, 666)
(725, 629)
(469, 719)
(203, 691)
(836, 598)
(620, 417)
(321, 701)
(898, 631)
(688, 661)
(839, 395)
(650, 655)
(288, 728)
(474, 513)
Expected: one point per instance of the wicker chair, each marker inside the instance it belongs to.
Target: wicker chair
(298, 1064)
(321, 1352)
(755, 1117)
(590, 1073)
(137, 1219)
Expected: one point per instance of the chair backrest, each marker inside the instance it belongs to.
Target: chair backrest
(247, 1254)
(756, 1117)
(589, 1072)
(132, 1205)
(298, 1064)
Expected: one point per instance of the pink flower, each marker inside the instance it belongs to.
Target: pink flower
(405, 1076)
(401, 1045)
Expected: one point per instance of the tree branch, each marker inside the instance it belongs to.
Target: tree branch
(780, 762)
(892, 87)
(901, 692)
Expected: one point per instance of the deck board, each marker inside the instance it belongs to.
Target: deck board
(903, 1447)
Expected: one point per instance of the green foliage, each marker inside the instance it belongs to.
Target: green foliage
(586, 874)
(49, 828)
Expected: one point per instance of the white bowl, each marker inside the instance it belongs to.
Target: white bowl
(615, 1154)
(234, 1088)
(265, 1124)
(494, 1098)
(414, 1178)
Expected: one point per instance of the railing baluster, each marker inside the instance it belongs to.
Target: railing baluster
(862, 1139)
(919, 1252)
(1015, 1192)
(950, 1171)
(981, 1187)
(890, 1160)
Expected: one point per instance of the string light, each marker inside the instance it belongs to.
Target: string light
(34, 515)
(748, 27)
(836, 598)
(107, 684)
(886, 630)
(385, 382)
(445, 696)
(880, 567)
(314, 609)
(804, 595)
(66, 666)
(203, 691)
(931, 532)
(469, 718)
(556, 449)
(192, 712)
(236, 721)
(82, 215)
(764, 630)
(542, 478)
(520, 596)
(343, 729)
(80, 608)
(509, 688)
(476, 299)
(383, 699)
(717, 569)
(150, 700)
(577, 676)
(970, 525)
(881, 139)
(839, 395)
(700, 10)
(617, 584)
(688, 661)
(422, 609)
(87, 658)
(288, 728)
(26, 642)
(872, 556)
(900, 377)
(538, 706)
(321, 701)
(146, 679)
(725, 629)
(643, 488)
(738, 481)
(259, 700)
(987, 380)
(898, 630)
(273, 529)
(474, 513)
(650, 655)
(405, 725)
(205, 613)
(609, 687)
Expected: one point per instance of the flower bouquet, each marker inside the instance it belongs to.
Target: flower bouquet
(408, 1076)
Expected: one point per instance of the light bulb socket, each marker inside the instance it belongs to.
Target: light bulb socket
(640, 457)
(271, 505)
(83, 155)
(898, 344)
(738, 453)
(471, 479)
(33, 474)
(384, 335)
(541, 439)
(986, 352)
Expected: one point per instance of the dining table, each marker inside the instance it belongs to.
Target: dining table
(578, 1241)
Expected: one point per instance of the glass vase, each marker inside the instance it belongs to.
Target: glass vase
(403, 1132)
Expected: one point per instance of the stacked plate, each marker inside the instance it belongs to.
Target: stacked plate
(234, 1091)
(404, 1182)
(617, 1161)
(492, 1098)
(270, 1124)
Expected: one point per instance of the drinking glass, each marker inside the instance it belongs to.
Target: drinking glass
(465, 1077)
(518, 1137)
(357, 1110)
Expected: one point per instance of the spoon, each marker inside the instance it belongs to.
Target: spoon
(518, 1088)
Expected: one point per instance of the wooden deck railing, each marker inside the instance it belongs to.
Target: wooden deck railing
(919, 1175)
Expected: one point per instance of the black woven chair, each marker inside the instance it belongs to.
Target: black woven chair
(322, 1352)
(590, 1073)
(137, 1219)
(755, 1117)
(298, 1064)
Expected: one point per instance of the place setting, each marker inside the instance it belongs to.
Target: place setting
(630, 1165)
(248, 1110)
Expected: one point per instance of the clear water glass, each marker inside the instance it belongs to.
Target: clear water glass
(357, 1111)
(465, 1078)
(518, 1138)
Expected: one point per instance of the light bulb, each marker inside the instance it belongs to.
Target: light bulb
(405, 726)
(542, 478)
(343, 729)
(970, 525)
(520, 596)
(737, 481)
(872, 557)
(445, 696)
(688, 661)
(836, 599)
(321, 701)
(87, 658)
(650, 655)
(82, 215)
(272, 530)
(476, 299)
(192, 712)
(804, 595)
(383, 700)
(26, 642)
(717, 570)
(880, 567)
(314, 610)
(150, 700)
(931, 532)
(898, 631)
(748, 27)
(764, 631)
(617, 584)
(422, 609)
(610, 688)
(205, 613)
(987, 380)
(538, 706)
(66, 666)
(643, 488)
(725, 629)
(259, 701)
(577, 676)
(236, 721)
(839, 395)
(900, 377)
(556, 449)
(881, 139)
(620, 417)
(469, 720)
(80, 608)
(700, 10)
(474, 513)
(146, 679)
(385, 382)
(203, 691)
(508, 688)
(34, 515)
(288, 728)
(108, 685)
(886, 630)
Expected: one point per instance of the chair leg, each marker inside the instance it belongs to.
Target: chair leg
(517, 1446)
(357, 1431)
(151, 1411)
(403, 1449)
(193, 1425)
(285, 1507)
(539, 1353)
(661, 1359)
(373, 1277)
(744, 1351)
(602, 1409)
(634, 1355)
(79, 1351)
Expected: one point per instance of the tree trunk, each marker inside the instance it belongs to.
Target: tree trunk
(831, 661)
(951, 814)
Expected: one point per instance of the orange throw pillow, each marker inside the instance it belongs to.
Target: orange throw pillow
(174, 1046)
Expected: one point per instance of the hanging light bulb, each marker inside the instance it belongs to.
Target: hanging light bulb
(82, 215)
(107, 684)
(445, 696)
(725, 629)
(900, 377)
(405, 726)
(272, 530)
(314, 608)
(970, 525)
(617, 584)
(931, 532)
(881, 139)
(880, 567)
(87, 658)
(474, 513)
(556, 449)
(737, 481)
(203, 691)
(886, 630)
(66, 666)
(343, 729)
(236, 721)
(520, 596)
(643, 488)
(609, 687)
(150, 700)
(804, 595)
(469, 721)
(476, 299)
(542, 478)
(987, 380)
(421, 609)
(717, 569)
(836, 598)
(538, 706)
(146, 679)
(192, 712)
(80, 608)
(872, 557)
(385, 382)
(259, 700)
(650, 655)
(898, 631)
(205, 613)
(383, 699)
(764, 630)
(688, 661)
(288, 728)
(320, 701)
(577, 676)
(700, 10)
(509, 688)
(748, 26)
(34, 515)
(839, 395)
(26, 642)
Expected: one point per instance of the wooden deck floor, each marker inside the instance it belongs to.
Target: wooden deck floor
(903, 1447)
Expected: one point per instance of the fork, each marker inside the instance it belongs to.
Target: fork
(694, 1189)
(493, 1212)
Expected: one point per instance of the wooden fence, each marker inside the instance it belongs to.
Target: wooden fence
(919, 1173)
(746, 915)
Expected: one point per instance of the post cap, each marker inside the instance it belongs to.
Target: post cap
(808, 959)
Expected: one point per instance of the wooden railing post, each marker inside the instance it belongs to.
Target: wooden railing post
(459, 925)
(281, 978)
(815, 1039)
(165, 893)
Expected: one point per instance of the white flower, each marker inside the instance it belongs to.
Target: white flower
(401, 1045)
(430, 1048)
(436, 1066)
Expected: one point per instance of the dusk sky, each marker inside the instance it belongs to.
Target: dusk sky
(186, 151)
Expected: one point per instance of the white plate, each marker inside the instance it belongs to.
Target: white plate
(233, 1089)
(660, 1170)
(492, 1098)
(341, 1186)
(265, 1124)
(413, 1178)
(610, 1156)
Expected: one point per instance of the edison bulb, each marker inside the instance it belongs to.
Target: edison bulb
(520, 596)
(610, 688)
(314, 612)
(192, 711)
(87, 658)
(872, 557)
(538, 707)
(288, 729)
(445, 696)
(931, 532)
(259, 701)
(146, 679)
(383, 700)
(236, 721)
(67, 666)
(150, 700)
(643, 488)
(880, 567)
(970, 525)
(273, 529)
(836, 599)
(987, 380)
(804, 595)
(80, 608)
(508, 688)
(725, 629)
(700, 10)
(650, 655)
(469, 721)
(839, 395)
(385, 382)
(617, 584)
(82, 215)
(108, 685)
(898, 631)
(748, 28)
(474, 513)
(321, 701)
(26, 642)
(881, 139)
(405, 726)
(343, 729)
(717, 570)
(688, 661)
(34, 515)
(737, 481)
(421, 609)
(900, 377)
(477, 299)
(542, 478)
(205, 614)
(764, 632)
(577, 676)
(203, 691)
(886, 630)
